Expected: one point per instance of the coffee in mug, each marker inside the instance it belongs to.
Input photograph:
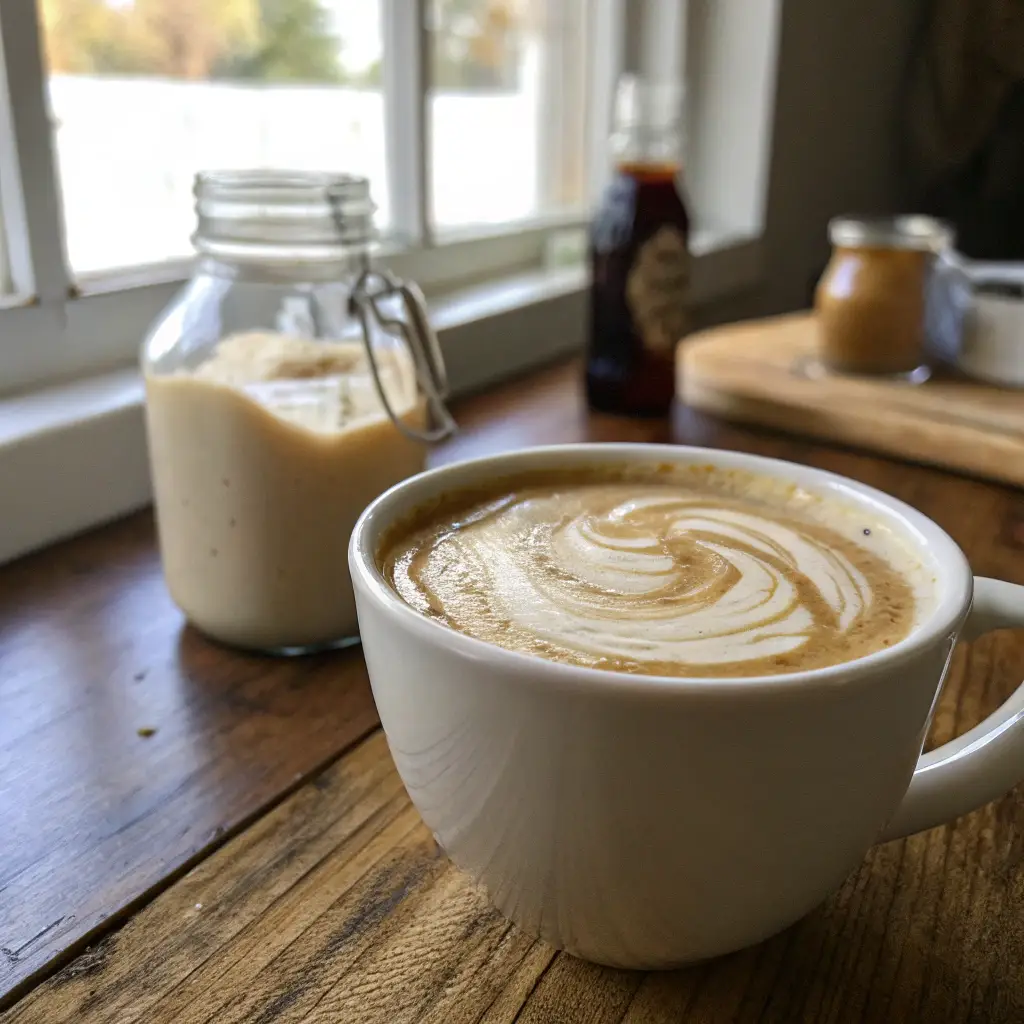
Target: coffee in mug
(660, 571)
(773, 672)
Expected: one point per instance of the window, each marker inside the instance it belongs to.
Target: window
(508, 112)
(144, 93)
(482, 125)
(470, 117)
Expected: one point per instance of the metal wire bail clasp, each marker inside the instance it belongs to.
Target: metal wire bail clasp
(373, 299)
(374, 292)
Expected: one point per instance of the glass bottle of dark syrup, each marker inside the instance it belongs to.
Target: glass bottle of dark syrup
(639, 258)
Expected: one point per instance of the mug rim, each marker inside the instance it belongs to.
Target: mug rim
(954, 577)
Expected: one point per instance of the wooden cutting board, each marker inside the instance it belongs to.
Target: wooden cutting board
(764, 372)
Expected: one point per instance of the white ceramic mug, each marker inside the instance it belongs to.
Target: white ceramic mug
(650, 822)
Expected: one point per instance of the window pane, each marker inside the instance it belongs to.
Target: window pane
(508, 117)
(144, 93)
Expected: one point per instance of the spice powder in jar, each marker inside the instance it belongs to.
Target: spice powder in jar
(870, 302)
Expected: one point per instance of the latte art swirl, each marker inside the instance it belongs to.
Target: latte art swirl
(652, 578)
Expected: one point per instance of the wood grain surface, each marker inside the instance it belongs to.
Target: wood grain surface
(96, 810)
(335, 906)
(763, 372)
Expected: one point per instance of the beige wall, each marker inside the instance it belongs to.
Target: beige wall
(834, 146)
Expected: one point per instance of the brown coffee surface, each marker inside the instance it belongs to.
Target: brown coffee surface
(692, 572)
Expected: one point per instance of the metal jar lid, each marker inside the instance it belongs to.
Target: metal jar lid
(914, 232)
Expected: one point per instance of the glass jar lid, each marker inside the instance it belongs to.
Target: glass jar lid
(267, 215)
(914, 232)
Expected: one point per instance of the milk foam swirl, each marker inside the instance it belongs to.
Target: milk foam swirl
(652, 578)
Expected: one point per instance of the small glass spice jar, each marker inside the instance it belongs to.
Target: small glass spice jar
(870, 302)
(287, 385)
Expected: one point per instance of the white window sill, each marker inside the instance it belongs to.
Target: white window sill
(74, 455)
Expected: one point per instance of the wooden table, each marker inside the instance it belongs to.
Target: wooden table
(191, 834)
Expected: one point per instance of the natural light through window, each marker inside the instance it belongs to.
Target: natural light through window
(143, 93)
(146, 92)
(474, 122)
(508, 109)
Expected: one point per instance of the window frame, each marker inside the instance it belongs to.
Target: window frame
(55, 326)
(32, 213)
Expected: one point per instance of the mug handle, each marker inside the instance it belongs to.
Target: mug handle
(988, 760)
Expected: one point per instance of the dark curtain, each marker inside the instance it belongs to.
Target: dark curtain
(965, 123)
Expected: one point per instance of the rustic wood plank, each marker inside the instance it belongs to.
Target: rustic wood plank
(336, 906)
(335, 879)
(94, 809)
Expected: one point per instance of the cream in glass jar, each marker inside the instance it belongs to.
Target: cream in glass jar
(285, 389)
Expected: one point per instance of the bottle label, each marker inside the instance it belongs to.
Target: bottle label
(657, 290)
